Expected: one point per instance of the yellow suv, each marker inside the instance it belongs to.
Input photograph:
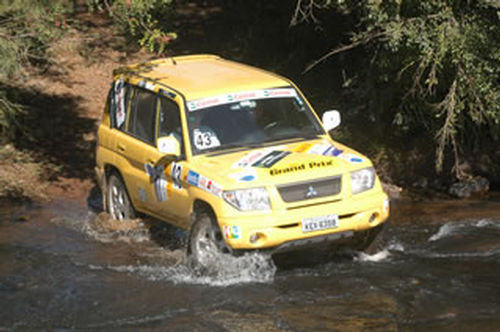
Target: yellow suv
(235, 155)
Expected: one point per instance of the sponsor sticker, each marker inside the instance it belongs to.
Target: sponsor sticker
(205, 139)
(146, 85)
(204, 183)
(157, 176)
(167, 145)
(325, 150)
(167, 93)
(232, 232)
(352, 158)
(270, 159)
(247, 175)
(119, 102)
(176, 174)
(193, 178)
(301, 167)
(250, 158)
(142, 194)
(198, 104)
(302, 147)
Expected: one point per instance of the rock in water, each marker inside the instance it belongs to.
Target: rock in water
(469, 187)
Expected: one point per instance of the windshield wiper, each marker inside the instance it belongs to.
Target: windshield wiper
(227, 148)
(294, 137)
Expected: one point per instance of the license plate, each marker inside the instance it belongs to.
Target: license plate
(320, 223)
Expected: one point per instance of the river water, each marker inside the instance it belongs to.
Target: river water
(64, 267)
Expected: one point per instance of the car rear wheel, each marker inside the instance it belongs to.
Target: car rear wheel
(118, 201)
(206, 242)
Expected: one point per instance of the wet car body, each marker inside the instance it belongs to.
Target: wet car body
(202, 140)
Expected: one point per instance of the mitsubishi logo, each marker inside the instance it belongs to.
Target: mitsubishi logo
(311, 192)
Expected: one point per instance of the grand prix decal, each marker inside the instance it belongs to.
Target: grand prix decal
(302, 167)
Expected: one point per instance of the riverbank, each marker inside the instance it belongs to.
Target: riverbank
(55, 159)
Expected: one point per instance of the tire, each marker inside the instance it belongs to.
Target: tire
(118, 201)
(373, 239)
(206, 242)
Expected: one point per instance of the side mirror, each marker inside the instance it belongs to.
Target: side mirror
(331, 120)
(170, 147)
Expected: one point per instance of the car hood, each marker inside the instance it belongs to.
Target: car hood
(277, 164)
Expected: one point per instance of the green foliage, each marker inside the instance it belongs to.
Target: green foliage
(145, 21)
(26, 28)
(438, 61)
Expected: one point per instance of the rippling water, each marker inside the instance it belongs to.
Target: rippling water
(62, 266)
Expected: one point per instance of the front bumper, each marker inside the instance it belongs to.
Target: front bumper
(283, 229)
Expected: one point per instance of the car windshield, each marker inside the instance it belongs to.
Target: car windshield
(249, 119)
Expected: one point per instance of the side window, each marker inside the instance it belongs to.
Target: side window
(169, 120)
(119, 96)
(141, 120)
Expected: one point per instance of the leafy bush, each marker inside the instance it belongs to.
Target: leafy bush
(433, 68)
(144, 21)
(26, 28)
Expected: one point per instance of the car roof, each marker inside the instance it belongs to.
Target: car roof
(204, 75)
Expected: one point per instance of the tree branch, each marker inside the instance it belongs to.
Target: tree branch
(343, 49)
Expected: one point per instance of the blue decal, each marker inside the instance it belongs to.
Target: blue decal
(167, 93)
(193, 178)
(332, 151)
(356, 160)
(247, 178)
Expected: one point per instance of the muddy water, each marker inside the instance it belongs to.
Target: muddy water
(64, 267)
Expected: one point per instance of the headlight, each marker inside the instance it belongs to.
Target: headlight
(362, 180)
(248, 199)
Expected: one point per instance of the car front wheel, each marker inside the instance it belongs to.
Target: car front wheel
(206, 242)
(118, 201)
(372, 240)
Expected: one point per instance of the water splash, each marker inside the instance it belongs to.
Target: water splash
(452, 228)
(381, 255)
(444, 231)
(105, 229)
(377, 257)
(230, 270)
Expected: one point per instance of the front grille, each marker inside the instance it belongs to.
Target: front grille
(311, 189)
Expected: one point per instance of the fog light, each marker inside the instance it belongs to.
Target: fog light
(373, 217)
(255, 237)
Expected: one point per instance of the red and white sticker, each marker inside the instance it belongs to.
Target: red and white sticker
(209, 186)
(250, 158)
(198, 104)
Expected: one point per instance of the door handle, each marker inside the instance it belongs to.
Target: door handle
(121, 147)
